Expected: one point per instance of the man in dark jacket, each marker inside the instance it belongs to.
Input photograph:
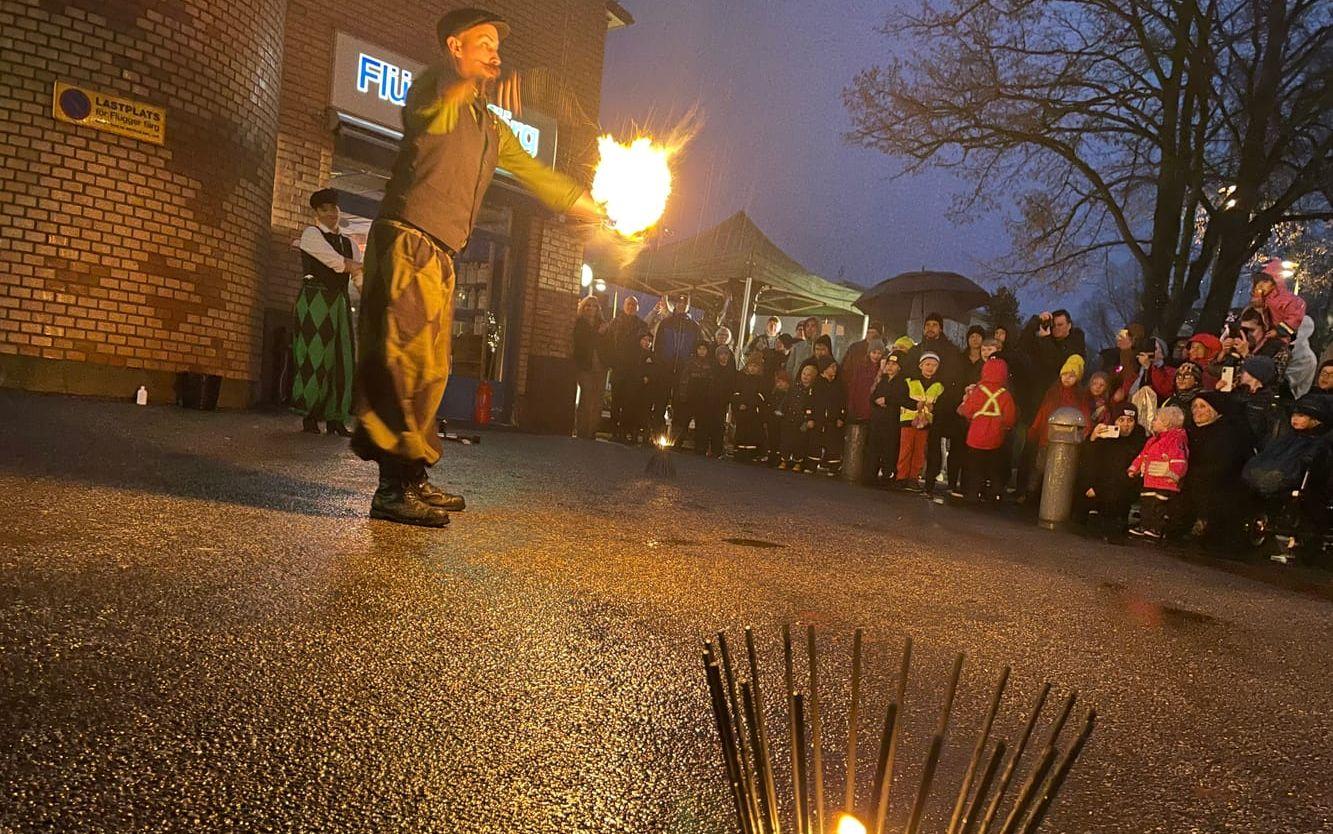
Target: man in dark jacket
(1055, 340)
(622, 338)
(947, 422)
(676, 336)
(450, 149)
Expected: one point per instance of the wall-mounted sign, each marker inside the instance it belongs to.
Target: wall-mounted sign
(126, 117)
(371, 83)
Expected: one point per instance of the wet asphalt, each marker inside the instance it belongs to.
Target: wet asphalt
(200, 630)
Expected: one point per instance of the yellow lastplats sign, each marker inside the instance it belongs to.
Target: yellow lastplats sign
(81, 106)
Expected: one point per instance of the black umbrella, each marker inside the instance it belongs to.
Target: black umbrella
(947, 293)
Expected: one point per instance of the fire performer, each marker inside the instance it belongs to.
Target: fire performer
(450, 148)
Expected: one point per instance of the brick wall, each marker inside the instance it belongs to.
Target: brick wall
(123, 256)
(567, 37)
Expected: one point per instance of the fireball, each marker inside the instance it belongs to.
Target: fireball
(633, 182)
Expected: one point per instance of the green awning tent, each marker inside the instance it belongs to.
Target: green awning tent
(736, 257)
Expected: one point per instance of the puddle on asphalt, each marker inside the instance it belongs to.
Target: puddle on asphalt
(753, 543)
(1148, 614)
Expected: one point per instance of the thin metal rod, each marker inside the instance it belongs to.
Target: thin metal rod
(790, 685)
(949, 695)
(966, 788)
(729, 757)
(767, 812)
(1010, 769)
(974, 809)
(1059, 725)
(1029, 791)
(923, 790)
(769, 787)
(886, 787)
(798, 772)
(1058, 778)
(879, 793)
(816, 730)
(742, 745)
(853, 718)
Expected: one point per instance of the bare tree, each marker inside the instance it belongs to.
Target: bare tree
(1112, 126)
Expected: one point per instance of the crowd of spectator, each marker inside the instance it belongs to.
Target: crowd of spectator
(1219, 438)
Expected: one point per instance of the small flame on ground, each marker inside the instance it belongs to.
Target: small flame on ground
(848, 824)
(633, 181)
(663, 442)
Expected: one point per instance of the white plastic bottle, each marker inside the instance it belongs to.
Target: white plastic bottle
(141, 396)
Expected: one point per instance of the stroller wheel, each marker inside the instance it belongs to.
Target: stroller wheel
(1257, 530)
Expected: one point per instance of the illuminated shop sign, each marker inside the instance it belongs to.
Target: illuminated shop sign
(372, 83)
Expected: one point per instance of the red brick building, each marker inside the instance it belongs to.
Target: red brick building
(124, 261)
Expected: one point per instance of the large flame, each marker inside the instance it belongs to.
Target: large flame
(633, 181)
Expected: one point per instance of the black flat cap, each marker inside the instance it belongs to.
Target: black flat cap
(460, 20)
(324, 197)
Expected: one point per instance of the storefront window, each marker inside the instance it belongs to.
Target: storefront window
(481, 297)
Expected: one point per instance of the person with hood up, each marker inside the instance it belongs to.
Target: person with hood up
(990, 413)
(1203, 350)
(749, 406)
(924, 390)
(860, 380)
(830, 421)
(1269, 292)
(886, 402)
(1162, 465)
(1301, 366)
(1099, 393)
(774, 422)
(690, 400)
(1103, 482)
(1217, 453)
(1066, 391)
(638, 392)
(799, 421)
(721, 387)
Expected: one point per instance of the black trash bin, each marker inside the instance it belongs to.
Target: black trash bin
(198, 391)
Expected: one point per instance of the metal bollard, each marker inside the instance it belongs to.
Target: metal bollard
(1064, 433)
(854, 451)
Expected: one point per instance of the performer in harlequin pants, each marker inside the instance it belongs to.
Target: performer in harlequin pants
(450, 148)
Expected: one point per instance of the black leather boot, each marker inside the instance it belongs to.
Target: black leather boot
(437, 497)
(398, 500)
(337, 427)
(310, 425)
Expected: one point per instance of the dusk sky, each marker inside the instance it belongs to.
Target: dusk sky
(767, 76)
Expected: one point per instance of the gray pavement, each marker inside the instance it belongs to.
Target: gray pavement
(200, 630)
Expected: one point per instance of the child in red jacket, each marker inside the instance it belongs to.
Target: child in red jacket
(1162, 464)
(991, 413)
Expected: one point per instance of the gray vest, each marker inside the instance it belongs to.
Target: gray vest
(439, 179)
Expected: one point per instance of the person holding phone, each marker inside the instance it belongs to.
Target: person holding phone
(1103, 485)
